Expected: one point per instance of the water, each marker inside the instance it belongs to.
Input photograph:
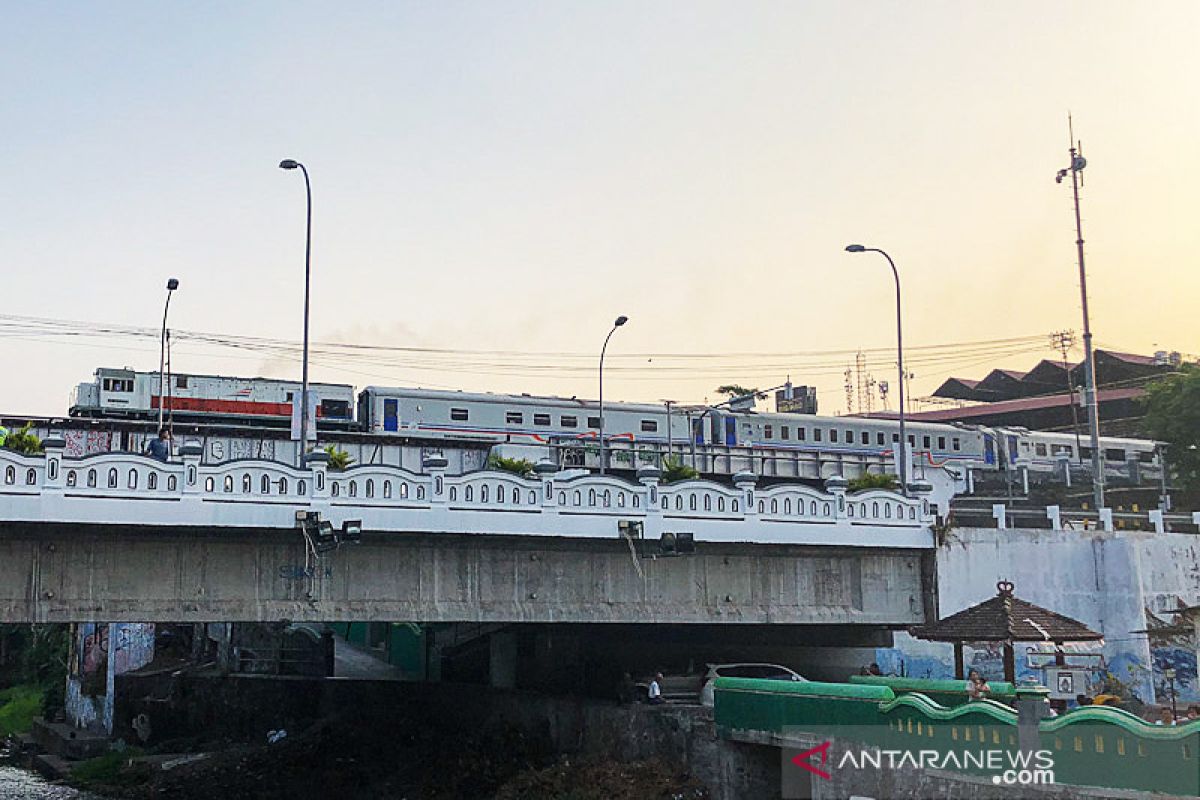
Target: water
(21, 784)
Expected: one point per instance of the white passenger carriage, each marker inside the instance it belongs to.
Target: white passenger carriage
(519, 419)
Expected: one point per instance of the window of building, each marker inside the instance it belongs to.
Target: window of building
(767, 431)
(594, 422)
(541, 419)
(569, 422)
(649, 425)
(458, 414)
(514, 417)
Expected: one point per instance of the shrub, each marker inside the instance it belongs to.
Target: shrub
(872, 480)
(338, 459)
(23, 441)
(522, 467)
(673, 471)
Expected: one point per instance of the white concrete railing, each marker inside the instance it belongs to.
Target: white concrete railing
(255, 493)
(1103, 520)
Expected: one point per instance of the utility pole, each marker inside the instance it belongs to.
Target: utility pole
(1064, 341)
(1078, 162)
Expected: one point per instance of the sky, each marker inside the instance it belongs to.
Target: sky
(512, 176)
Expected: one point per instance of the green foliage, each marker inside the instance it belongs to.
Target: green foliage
(517, 466)
(674, 470)
(18, 706)
(338, 459)
(732, 390)
(111, 769)
(1173, 416)
(871, 480)
(23, 441)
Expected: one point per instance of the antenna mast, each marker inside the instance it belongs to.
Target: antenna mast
(1078, 162)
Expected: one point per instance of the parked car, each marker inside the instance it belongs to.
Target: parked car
(770, 672)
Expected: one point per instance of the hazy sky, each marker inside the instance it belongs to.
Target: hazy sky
(511, 176)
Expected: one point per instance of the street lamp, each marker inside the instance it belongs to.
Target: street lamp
(902, 452)
(288, 163)
(621, 320)
(172, 285)
(1169, 674)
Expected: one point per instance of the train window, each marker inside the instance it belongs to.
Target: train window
(594, 422)
(541, 419)
(118, 385)
(1085, 452)
(649, 425)
(880, 439)
(912, 440)
(895, 438)
(1061, 450)
(832, 435)
(955, 443)
(1040, 448)
(569, 422)
(288, 397)
(816, 434)
(941, 443)
(784, 432)
(925, 442)
(866, 437)
(768, 431)
(514, 417)
(459, 414)
(181, 381)
(1146, 457)
(800, 434)
(849, 437)
(1114, 454)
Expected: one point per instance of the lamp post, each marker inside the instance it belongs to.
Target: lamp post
(1169, 674)
(902, 451)
(621, 320)
(288, 163)
(172, 285)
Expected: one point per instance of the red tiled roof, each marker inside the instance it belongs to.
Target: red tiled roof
(1132, 358)
(1005, 618)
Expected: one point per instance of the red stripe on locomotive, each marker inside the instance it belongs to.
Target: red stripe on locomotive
(243, 407)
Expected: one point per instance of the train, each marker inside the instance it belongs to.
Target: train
(550, 424)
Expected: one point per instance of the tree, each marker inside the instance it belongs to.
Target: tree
(1173, 416)
(23, 441)
(338, 459)
(732, 390)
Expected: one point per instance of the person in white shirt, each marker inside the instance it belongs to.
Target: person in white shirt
(654, 691)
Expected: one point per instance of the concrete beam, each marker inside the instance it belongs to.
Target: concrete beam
(52, 572)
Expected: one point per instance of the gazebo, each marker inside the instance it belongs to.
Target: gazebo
(1007, 619)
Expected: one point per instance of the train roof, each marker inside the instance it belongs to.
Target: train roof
(519, 399)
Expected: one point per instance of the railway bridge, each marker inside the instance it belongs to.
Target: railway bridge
(121, 537)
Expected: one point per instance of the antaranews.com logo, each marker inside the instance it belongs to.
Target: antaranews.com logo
(1005, 767)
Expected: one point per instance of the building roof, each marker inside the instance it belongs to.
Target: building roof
(1006, 618)
(1020, 404)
